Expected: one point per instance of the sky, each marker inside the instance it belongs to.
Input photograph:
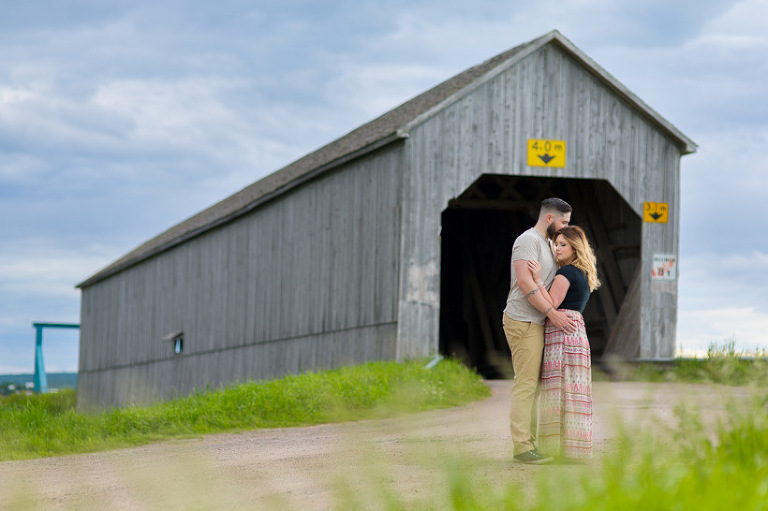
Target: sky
(120, 119)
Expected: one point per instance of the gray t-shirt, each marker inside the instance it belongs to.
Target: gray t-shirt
(529, 245)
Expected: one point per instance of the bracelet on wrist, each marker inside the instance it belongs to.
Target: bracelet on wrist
(547, 311)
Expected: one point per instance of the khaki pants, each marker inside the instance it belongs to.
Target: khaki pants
(526, 341)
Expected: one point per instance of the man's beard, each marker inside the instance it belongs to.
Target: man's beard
(551, 230)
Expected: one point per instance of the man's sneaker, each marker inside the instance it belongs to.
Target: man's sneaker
(533, 457)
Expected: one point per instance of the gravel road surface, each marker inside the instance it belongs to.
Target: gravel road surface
(310, 468)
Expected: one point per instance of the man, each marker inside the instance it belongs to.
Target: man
(524, 318)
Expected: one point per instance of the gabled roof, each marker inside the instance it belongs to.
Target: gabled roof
(381, 131)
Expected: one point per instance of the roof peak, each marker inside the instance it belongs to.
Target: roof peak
(383, 130)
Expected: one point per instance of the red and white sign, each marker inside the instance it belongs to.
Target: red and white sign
(664, 267)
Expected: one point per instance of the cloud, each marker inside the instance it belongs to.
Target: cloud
(722, 193)
(38, 267)
(374, 88)
(713, 276)
(722, 299)
(705, 75)
(745, 327)
(743, 26)
(192, 117)
(120, 119)
(37, 279)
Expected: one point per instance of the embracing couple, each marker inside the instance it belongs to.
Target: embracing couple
(553, 273)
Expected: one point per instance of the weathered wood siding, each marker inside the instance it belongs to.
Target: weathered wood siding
(345, 268)
(305, 282)
(547, 95)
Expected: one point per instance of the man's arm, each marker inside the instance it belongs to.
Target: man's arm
(531, 290)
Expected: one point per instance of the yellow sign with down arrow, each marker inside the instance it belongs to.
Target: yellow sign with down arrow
(546, 153)
(656, 212)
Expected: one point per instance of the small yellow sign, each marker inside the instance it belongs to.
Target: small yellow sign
(546, 153)
(657, 212)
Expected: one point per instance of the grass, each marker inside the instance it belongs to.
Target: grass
(47, 425)
(692, 472)
(722, 365)
(682, 468)
(687, 465)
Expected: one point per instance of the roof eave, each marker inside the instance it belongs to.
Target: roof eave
(685, 144)
(121, 265)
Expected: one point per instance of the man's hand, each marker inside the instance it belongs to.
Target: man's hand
(562, 321)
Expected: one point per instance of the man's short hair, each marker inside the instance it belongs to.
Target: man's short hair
(554, 204)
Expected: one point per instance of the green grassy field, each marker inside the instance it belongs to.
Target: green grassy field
(693, 472)
(47, 425)
(682, 467)
(722, 364)
(678, 467)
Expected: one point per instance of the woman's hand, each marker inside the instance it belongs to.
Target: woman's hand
(535, 268)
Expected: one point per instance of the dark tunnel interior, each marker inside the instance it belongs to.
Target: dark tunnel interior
(478, 230)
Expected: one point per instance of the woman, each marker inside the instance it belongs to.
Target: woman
(565, 403)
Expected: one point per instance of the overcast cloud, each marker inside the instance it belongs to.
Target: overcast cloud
(119, 119)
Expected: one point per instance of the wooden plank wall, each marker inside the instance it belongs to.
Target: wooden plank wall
(309, 281)
(549, 96)
(347, 267)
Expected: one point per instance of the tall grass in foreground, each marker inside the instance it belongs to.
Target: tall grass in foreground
(35, 426)
(723, 364)
(677, 468)
(687, 466)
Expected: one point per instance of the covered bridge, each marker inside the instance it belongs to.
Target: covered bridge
(394, 240)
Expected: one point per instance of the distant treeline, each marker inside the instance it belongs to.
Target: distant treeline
(55, 380)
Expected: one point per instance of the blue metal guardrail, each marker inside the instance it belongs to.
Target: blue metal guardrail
(40, 380)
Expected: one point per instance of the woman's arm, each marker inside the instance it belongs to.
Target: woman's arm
(557, 290)
(544, 302)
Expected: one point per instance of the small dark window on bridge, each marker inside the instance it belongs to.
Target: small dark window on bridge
(177, 341)
(178, 344)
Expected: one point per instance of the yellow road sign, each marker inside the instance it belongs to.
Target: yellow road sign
(546, 153)
(656, 212)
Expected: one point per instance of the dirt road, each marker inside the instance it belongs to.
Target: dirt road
(309, 468)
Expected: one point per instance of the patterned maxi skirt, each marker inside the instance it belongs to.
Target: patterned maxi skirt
(565, 403)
